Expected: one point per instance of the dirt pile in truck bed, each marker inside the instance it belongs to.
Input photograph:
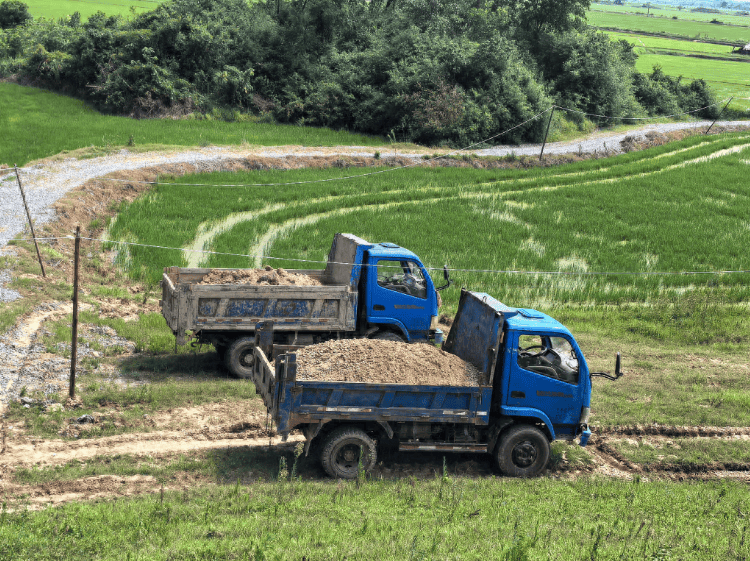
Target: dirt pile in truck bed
(383, 362)
(268, 277)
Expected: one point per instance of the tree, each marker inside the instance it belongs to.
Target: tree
(13, 13)
(537, 17)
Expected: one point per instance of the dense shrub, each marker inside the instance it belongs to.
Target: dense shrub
(455, 71)
(13, 13)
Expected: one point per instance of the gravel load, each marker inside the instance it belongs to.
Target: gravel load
(264, 277)
(383, 362)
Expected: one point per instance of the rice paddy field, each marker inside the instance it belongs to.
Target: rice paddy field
(686, 25)
(631, 252)
(726, 15)
(603, 229)
(57, 9)
(727, 74)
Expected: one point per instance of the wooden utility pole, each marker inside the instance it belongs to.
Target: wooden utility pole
(74, 338)
(541, 154)
(719, 115)
(31, 225)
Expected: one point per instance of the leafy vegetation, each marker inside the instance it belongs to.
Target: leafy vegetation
(449, 72)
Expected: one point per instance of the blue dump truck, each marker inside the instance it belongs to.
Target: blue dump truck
(534, 387)
(379, 291)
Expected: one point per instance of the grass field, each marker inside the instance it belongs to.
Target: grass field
(728, 75)
(727, 15)
(445, 518)
(667, 25)
(37, 124)
(577, 219)
(56, 9)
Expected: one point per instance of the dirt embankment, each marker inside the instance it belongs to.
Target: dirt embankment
(383, 362)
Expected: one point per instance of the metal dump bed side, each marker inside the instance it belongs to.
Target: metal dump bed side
(294, 402)
(187, 305)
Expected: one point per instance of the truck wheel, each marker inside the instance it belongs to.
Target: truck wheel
(523, 451)
(239, 357)
(388, 336)
(342, 451)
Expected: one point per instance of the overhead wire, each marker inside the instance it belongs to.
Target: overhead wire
(450, 269)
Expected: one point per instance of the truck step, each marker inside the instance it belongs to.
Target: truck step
(440, 447)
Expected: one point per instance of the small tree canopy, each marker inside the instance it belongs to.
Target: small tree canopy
(13, 13)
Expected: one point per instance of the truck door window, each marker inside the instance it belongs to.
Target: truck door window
(550, 356)
(402, 276)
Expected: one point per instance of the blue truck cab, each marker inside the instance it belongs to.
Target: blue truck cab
(398, 294)
(534, 387)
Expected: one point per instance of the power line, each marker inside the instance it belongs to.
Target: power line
(458, 270)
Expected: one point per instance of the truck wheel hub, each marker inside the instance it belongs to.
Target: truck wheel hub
(349, 455)
(524, 454)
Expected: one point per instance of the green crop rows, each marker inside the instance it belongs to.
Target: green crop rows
(680, 207)
(727, 16)
(667, 25)
(56, 9)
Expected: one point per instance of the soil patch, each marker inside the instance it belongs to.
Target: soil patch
(383, 362)
(264, 277)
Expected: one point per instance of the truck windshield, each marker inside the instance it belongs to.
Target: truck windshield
(549, 356)
(402, 276)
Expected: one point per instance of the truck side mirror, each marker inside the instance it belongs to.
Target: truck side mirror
(446, 277)
(618, 371)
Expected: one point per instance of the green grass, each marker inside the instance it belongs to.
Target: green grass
(446, 518)
(684, 451)
(56, 9)
(647, 44)
(727, 16)
(667, 25)
(581, 218)
(726, 77)
(37, 124)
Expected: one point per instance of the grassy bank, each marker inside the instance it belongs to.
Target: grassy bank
(37, 124)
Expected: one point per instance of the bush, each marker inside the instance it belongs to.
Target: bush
(13, 13)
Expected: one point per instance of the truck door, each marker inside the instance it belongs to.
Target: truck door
(545, 375)
(399, 291)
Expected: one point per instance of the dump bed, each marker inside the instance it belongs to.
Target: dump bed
(188, 305)
(292, 402)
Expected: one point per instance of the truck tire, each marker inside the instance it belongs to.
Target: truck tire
(342, 451)
(239, 357)
(388, 336)
(523, 451)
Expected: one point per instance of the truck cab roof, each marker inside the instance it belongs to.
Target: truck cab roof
(391, 251)
(524, 319)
